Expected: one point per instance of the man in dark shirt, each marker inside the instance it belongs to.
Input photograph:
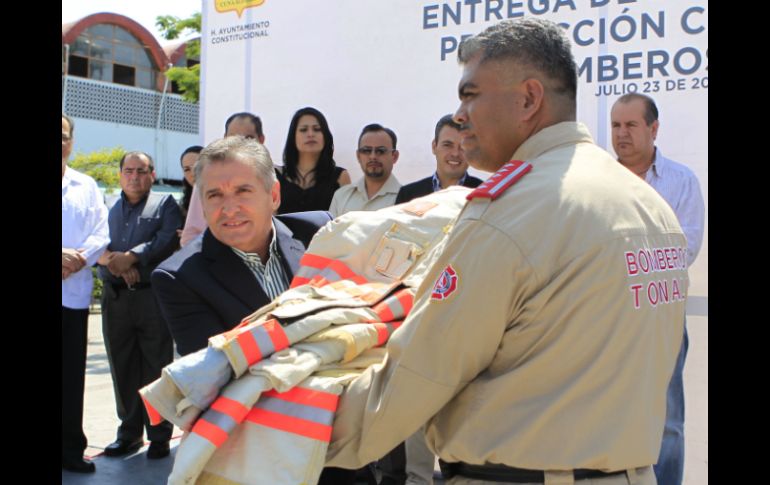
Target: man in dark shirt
(451, 165)
(143, 233)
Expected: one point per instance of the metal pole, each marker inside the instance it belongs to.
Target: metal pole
(66, 68)
(157, 124)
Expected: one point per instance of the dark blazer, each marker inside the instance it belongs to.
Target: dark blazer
(205, 289)
(425, 187)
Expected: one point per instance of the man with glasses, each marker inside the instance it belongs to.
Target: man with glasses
(143, 233)
(378, 187)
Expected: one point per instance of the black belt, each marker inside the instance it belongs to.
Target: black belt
(502, 473)
(122, 286)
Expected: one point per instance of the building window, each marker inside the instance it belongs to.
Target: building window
(78, 66)
(110, 53)
(124, 75)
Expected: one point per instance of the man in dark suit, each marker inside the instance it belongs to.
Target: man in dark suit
(245, 258)
(451, 166)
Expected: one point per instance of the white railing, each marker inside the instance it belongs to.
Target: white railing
(104, 101)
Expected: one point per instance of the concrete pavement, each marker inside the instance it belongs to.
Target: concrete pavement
(101, 422)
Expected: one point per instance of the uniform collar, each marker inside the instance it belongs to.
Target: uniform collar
(391, 186)
(564, 133)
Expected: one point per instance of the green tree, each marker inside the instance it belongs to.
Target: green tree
(102, 165)
(187, 78)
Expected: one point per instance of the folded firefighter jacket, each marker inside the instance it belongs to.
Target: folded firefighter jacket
(258, 403)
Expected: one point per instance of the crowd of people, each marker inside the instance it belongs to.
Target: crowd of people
(555, 372)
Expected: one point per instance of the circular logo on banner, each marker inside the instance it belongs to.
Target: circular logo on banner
(445, 285)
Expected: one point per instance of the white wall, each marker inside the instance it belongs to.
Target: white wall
(363, 61)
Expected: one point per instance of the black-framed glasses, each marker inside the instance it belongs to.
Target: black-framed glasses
(377, 150)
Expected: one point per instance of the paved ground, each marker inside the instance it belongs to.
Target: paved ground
(100, 421)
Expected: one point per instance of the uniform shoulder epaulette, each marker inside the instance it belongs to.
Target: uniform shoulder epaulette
(495, 185)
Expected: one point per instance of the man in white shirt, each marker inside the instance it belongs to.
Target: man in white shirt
(634, 129)
(378, 187)
(84, 236)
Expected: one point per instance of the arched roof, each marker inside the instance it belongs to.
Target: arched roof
(174, 51)
(70, 32)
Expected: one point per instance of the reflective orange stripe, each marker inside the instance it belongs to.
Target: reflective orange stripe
(314, 261)
(302, 427)
(341, 269)
(321, 263)
(406, 298)
(318, 281)
(382, 333)
(383, 311)
(234, 409)
(152, 413)
(233, 332)
(310, 397)
(277, 335)
(298, 281)
(254, 344)
(385, 330)
(209, 431)
(249, 347)
(309, 261)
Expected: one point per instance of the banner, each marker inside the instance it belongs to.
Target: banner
(395, 63)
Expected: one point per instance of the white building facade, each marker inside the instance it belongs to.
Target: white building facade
(114, 88)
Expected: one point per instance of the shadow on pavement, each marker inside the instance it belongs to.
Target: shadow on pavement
(133, 469)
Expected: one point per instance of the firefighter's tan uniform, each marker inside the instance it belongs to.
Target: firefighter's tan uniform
(541, 337)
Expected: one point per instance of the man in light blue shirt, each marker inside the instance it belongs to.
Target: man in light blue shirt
(634, 129)
(84, 236)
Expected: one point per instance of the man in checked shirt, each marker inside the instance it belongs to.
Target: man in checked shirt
(634, 129)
